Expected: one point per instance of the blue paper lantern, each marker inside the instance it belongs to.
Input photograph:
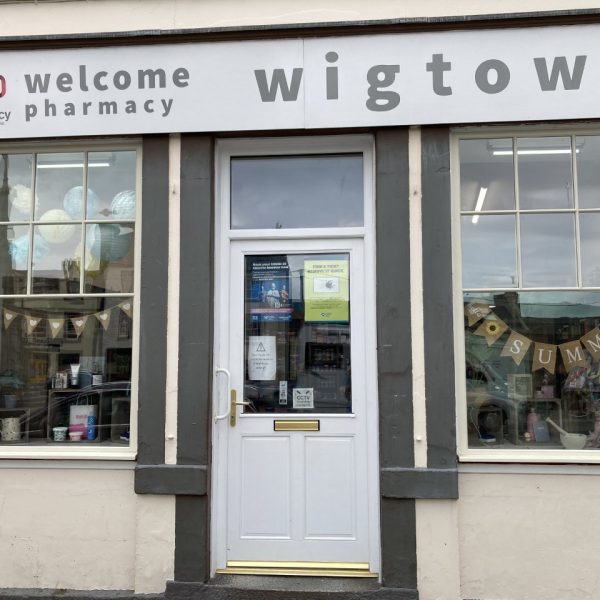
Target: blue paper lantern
(19, 250)
(109, 242)
(73, 202)
(123, 205)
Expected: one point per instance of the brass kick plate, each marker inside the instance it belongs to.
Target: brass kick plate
(298, 569)
(314, 425)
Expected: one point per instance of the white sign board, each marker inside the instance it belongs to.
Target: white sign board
(303, 398)
(262, 357)
(354, 81)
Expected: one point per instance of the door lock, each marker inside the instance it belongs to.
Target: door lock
(233, 404)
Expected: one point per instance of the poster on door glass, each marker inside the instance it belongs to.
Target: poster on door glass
(326, 291)
(262, 357)
(269, 290)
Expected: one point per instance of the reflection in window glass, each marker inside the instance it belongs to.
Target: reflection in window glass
(489, 251)
(14, 258)
(66, 361)
(589, 232)
(486, 175)
(545, 174)
(588, 174)
(301, 191)
(548, 250)
(109, 257)
(65, 371)
(111, 183)
(16, 192)
(55, 269)
(530, 357)
(59, 186)
(297, 334)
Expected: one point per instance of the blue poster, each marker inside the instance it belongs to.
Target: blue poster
(269, 288)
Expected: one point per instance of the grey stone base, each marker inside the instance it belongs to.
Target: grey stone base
(228, 587)
(58, 594)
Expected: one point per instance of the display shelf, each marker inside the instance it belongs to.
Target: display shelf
(112, 410)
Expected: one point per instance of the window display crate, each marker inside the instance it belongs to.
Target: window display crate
(112, 411)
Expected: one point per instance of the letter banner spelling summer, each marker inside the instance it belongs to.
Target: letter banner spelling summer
(492, 328)
(326, 291)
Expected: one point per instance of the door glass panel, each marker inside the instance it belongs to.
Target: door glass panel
(287, 192)
(297, 333)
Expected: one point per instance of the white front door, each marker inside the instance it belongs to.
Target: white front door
(295, 458)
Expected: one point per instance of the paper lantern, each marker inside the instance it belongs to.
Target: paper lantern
(20, 197)
(56, 234)
(109, 242)
(73, 202)
(19, 250)
(123, 205)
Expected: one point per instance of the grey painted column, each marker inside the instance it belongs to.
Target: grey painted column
(192, 562)
(154, 229)
(398, 523)
(437, 298)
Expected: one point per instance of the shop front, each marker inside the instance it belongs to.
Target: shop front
(301, 315)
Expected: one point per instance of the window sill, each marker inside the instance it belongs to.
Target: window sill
(68, 452)
(532, 456)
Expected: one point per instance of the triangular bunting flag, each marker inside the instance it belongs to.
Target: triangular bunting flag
(516, 347)
(591, 341)
(127, 307)
(56, 326)
(544, 357)
(104, 318)
(79, 324)
(32, 323)
(491, 329)
(476, 310)
(572, 354)
(9, 317)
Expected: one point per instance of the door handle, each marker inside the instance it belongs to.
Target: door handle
(219, 417)
(233, 402)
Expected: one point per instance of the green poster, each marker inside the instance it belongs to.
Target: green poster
(326, 291)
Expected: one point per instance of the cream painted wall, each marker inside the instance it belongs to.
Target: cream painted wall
(529, 536)
(67, 528)
(438, 575)
(154, 543)
(28, 18)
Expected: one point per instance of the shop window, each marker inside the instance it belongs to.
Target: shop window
(530, 250)
(67, 239)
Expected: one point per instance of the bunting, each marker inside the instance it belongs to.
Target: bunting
(56, 324)
(518, 345)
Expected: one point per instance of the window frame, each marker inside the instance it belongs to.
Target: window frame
(90, 451)
(495, 455)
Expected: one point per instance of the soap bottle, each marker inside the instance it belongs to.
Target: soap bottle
(532, 419)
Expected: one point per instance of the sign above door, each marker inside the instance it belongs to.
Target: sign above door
(352, 81)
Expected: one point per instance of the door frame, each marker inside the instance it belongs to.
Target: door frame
(224, 235)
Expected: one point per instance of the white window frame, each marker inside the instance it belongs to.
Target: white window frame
(90, 451)
(496, 455)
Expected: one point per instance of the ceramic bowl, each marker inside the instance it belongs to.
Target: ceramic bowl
(573, 441)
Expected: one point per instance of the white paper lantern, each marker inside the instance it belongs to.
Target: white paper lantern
(73, 202)
(123, 205)
(20, 198)
(56, 234)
